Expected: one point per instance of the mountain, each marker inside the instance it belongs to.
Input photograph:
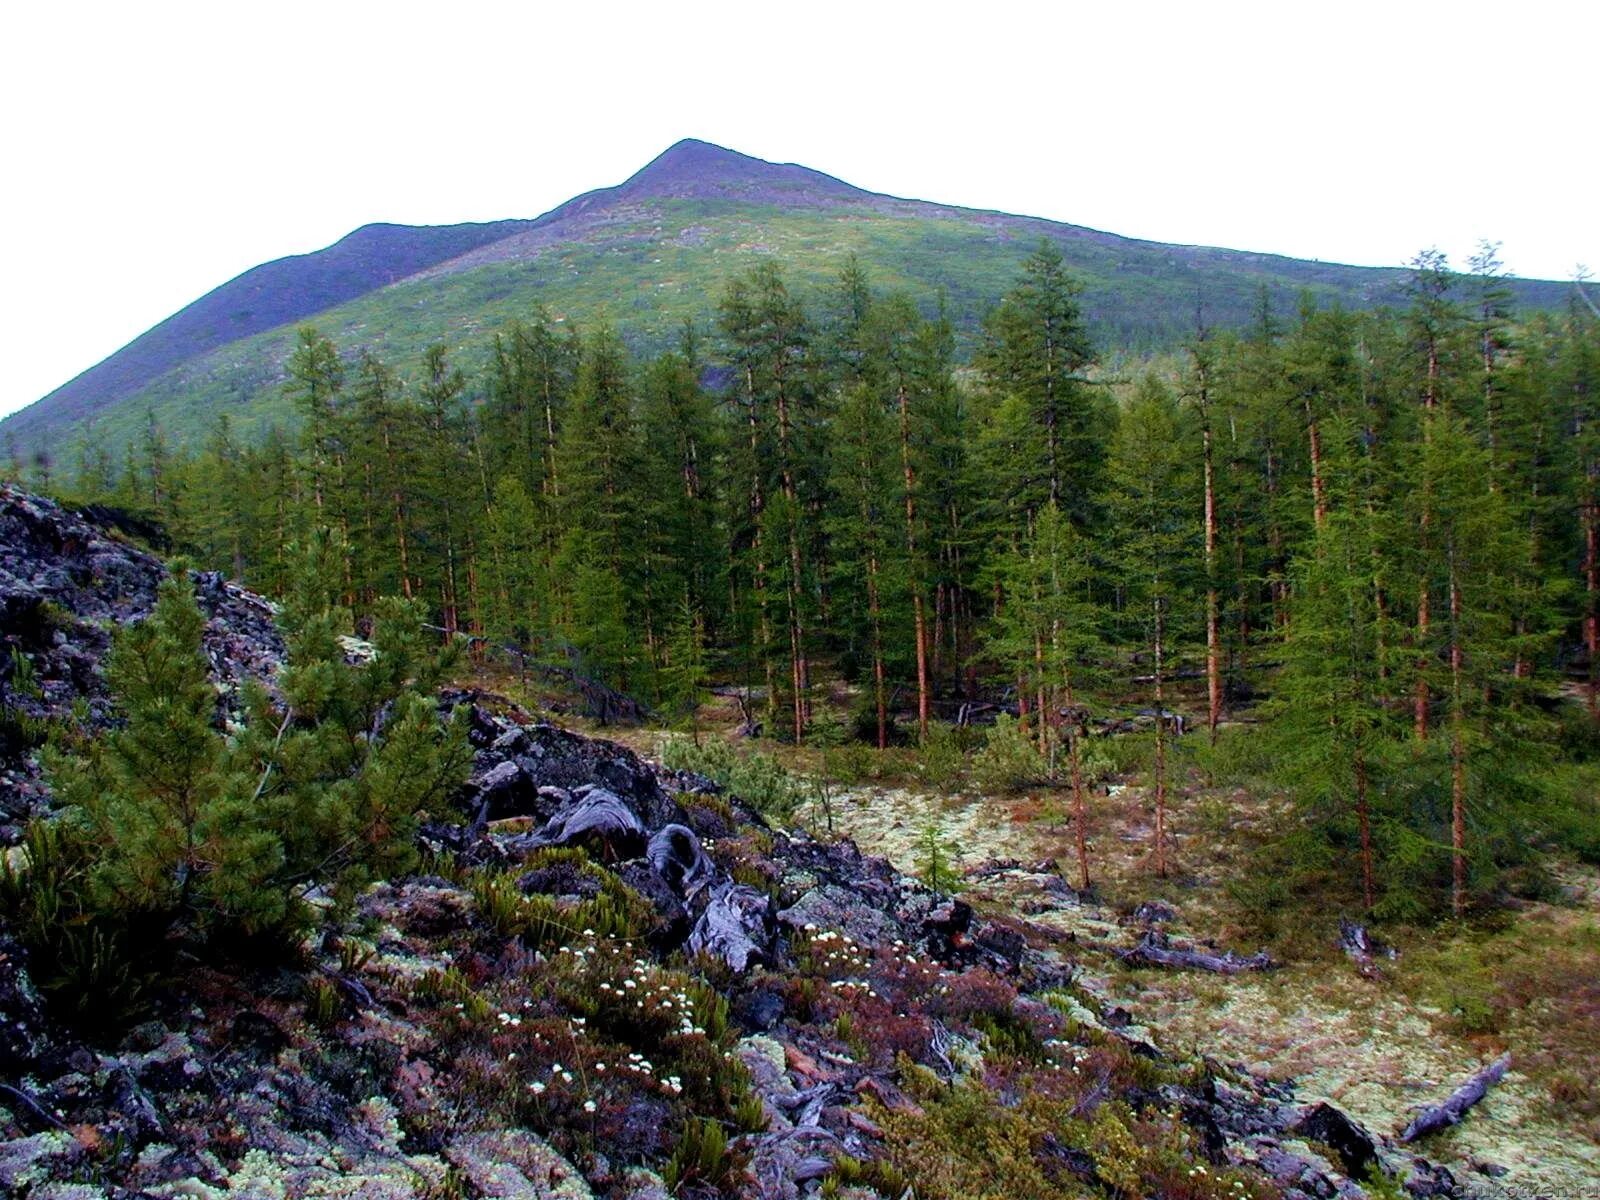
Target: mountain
(645, 255)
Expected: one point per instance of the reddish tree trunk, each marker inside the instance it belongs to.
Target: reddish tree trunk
(1213, 628)
(1458, 763)
(919, 617)
(1591, 584)
(1419, 703)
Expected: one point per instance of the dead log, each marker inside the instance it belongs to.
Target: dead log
(1154, 950)
(1442, 1116)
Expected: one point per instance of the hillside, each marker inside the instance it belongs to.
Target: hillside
(645, 255)
(265, 297)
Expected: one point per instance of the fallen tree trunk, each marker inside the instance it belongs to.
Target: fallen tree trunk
(1442, 1116)
(1153, 950)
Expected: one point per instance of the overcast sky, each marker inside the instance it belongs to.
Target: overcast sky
(154, 150)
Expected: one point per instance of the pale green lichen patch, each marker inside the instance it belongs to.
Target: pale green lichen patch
(1377, 1048)
(514, 1164)
(892, 823)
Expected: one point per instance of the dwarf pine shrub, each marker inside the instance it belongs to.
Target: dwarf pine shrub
(176, 832)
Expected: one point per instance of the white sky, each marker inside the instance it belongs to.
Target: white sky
(154, 150)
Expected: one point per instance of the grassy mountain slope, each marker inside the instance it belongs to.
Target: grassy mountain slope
(272, 294)
(645, 255)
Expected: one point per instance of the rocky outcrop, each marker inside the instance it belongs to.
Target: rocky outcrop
(66, 583)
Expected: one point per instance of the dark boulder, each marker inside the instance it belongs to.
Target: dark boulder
(23, 1029)
(672, 918)
(759, 1009)
(1357, 1152)
(561, 879)
(504, 790)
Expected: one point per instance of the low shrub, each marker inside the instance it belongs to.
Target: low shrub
(756, 778)
(1009, 759)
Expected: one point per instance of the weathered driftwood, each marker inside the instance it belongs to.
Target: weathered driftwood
(598, 819)
(1442, 1116)
(736, 927)
(1153, 950)
(674, 851)
(1364, 950)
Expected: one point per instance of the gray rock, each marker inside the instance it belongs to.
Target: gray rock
(27, 1161)
(833, 907)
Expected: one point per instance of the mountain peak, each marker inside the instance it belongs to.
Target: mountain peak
(694, 168)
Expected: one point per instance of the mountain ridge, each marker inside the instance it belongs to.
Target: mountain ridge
(697, 211)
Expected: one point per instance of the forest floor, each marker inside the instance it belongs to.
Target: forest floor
(1376, 1045)
(1377, 1042)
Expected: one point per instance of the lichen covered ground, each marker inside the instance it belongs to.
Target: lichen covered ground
(1375, 1043)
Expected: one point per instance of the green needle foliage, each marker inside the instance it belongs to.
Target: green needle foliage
(179, 829)
(1387, 520)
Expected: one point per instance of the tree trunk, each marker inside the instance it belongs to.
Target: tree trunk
(1319, 497)
(1161, 745)
(1277, 585)
(1591, 588)
(1213, 628)
(1419, 704)
(919, 616)
(1040, 691)
(1458, 762)
(1153, 951)
(874, 612)
(1442, 1116)
(1080, 813)
(799, 669)
(1364, 820)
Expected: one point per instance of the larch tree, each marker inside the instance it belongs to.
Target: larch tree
(1036, 347)
(1330, 716)
(1151, 499)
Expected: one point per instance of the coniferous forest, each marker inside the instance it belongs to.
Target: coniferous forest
(1376, 534)
(1287, 635)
